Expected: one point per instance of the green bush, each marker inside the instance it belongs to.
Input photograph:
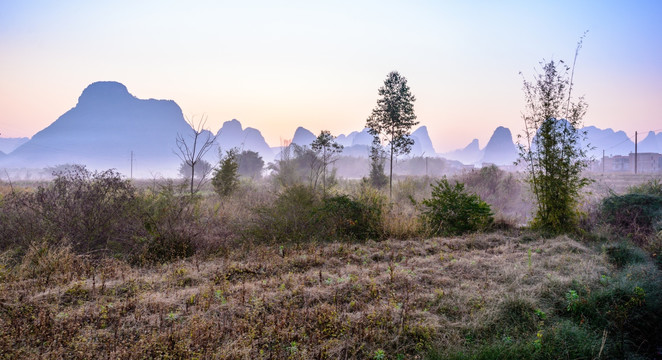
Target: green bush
(452, 211)
(226, 178)
(346, 217)
(301, 214)
(289, 219)
(515, 317)
(627, 306)
(622, 254)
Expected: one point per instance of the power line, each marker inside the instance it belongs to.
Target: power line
(630, 138)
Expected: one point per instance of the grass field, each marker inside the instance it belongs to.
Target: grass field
(503, 294)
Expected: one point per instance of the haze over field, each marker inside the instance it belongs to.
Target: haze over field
(278, 66)
(111, 128)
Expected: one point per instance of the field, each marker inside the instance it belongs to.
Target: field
(240, 291)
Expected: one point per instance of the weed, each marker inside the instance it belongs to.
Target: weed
(379, 355)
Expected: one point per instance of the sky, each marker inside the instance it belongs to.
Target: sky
(277, 65)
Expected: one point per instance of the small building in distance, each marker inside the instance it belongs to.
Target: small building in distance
(646, 163)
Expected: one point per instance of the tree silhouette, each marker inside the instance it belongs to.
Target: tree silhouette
(393, 118)
(326, 146)
(193, 147)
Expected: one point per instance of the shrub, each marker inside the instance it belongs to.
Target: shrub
(300, 214)
(635, 215)
(352, 218)
(498, 188)
(515, 317)
(451, 211)
(92, 211)
(650, 187)
(289, 218)
(171, 223)
(622, 254)
(627, 306)
(226, 178)
(44, 261)
(21, 224)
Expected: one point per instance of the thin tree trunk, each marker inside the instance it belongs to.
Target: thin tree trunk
(324, 172)
(193, 159)
(390, 177)
(192, 176)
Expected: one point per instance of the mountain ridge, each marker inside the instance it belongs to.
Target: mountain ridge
(108, 125)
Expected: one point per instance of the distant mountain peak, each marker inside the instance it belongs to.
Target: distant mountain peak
(303, 137)
(422, 143)
(650, 143)
(104, 92)
(467, 155)
(107, 124)
(233, 135)
(500, 149)
(473, 145)
(502, 131)
(231, 126)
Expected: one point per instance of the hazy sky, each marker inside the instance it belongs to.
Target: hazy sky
(276, 65)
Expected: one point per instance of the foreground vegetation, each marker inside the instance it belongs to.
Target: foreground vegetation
(148, 272)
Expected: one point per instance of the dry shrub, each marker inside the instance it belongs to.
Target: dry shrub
(4, 188)
(236, 211)
(411, 189)
(637, 216)
(179, 225)
(48, 262)
(401, 222)
(21, 225)
(501, 189)
(93, 211)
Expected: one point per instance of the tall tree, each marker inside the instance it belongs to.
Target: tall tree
(193, 147)
(553, 153)
(326, 146)
(393, 118)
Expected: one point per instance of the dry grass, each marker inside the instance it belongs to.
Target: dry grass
(618, 183)
(335, 300)
(235, 299)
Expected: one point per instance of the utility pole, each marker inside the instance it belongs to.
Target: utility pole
(131, 164)
(603, 161)
(635, 152)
